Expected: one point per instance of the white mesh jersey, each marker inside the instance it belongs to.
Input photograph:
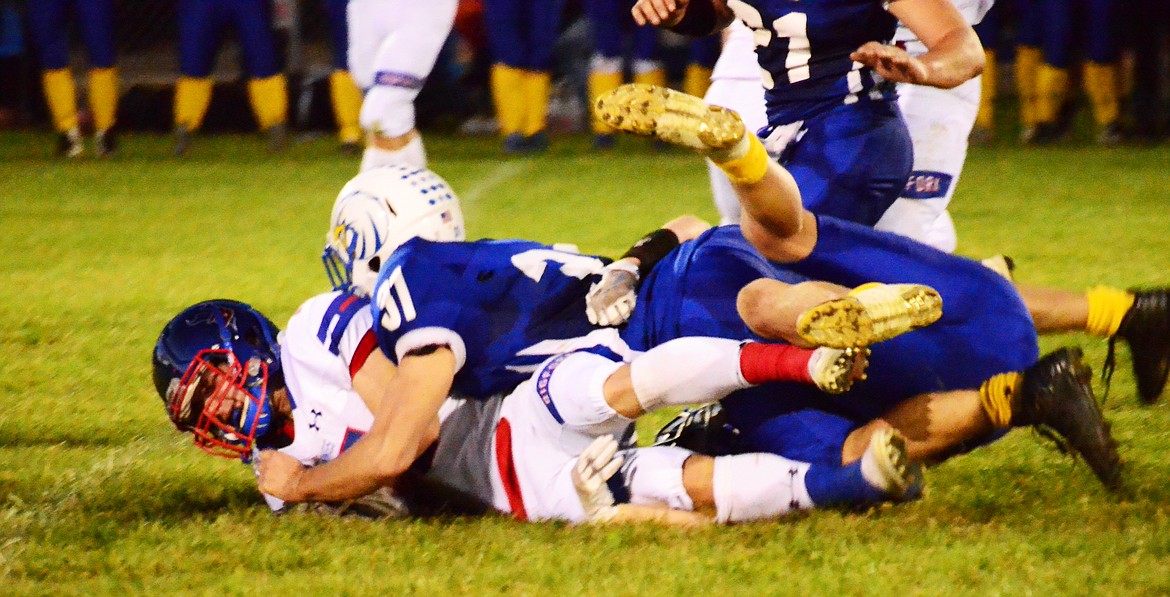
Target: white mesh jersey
(324, 345)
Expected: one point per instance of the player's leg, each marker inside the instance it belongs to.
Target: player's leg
(609, 22)
(344, 93)
(50, 35)
(405, 56)
(940, 123)
(1052, 78)
(200, 24)
(1029, 40)
(542, 28)
(989, 32)
(503, 20)
(701, 58)
(96, 20)
(1098, 29)
(267, 87)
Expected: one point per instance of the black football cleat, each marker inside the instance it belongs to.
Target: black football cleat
(105, 143)
(1056, 396)
(1146, 329)
(702, 429)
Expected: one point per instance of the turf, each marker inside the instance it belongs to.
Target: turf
(99, 495)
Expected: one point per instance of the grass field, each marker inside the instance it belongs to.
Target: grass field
(99, 495)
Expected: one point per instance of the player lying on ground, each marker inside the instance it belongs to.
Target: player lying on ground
(959, 382)
(223, 377)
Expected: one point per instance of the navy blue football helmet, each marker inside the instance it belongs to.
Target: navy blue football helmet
(215, 365)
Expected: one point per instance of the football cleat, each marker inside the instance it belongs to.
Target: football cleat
(1056, 396)
(277, 138)
(105, 143)
(702, 429)
(886, 464)
(672, 116)
(69, 144)
(182, 141)
(1002, 265)
(834, 370)
(1146, 329)
(869, 314)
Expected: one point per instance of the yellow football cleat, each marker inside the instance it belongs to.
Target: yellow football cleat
(834, 370)
(870, 314)
(672, 116)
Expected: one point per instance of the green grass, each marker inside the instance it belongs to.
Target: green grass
(99, 495)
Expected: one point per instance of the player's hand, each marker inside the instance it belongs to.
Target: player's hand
(611, 299)
(892, 63)
(278, 475)
(659, 13)
(594, 467)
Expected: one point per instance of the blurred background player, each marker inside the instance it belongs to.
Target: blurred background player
(201, 25)
(940, 123)
(990, 35)
(393, 45)
(48, 26)
(343, 92)
(615, 36)
(1049, 31)
(521, 35)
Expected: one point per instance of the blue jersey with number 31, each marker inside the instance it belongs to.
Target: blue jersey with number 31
(503, 307)
(804, 47)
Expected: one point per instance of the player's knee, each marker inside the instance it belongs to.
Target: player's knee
(754, 305)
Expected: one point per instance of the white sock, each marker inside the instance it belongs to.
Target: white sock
(686, 371)
(655, 477)
(412, 154)
(758, 486)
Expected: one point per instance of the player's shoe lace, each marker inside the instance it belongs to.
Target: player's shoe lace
(870, 314)
(887, 465)
(834, 370)
(1056, 397)
(672, 116)
(702, 429)
(1146, 329)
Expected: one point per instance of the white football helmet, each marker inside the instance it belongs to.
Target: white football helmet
(376, 212)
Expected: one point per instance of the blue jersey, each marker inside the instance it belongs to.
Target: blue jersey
(806, 53)
(502, 307)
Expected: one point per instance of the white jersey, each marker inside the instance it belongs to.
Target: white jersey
(737, 59)
(972, 11)
(324, 345)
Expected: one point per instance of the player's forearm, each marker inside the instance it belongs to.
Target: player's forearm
(954, 59)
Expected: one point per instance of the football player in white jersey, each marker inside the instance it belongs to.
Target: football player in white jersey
(393, 45)
(311, 399)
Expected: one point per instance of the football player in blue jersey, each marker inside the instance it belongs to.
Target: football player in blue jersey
(973, 372)
(830, 77)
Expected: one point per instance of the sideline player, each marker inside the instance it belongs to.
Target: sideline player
(224, 378)
(830, 81)
(47, 22)
(393, 45)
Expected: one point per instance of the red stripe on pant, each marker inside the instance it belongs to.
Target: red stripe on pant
(507, 469)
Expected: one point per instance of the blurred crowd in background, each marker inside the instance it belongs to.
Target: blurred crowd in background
(1087, 70)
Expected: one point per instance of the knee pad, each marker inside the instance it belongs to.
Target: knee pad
(389, 110)
(570, 386)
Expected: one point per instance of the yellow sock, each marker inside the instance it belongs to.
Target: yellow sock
(987, 91)
(536, 89)
(192, 96)
(269, 97)
(1101, 87)
(746, 165)
(1107, 307)
(653, 76)
(507, 83)
(599, 83)
(696, 80)
(1051, 89)
(347, 106)
(1027, 65)
(103, 97)
(61, 97)
(996, 396)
